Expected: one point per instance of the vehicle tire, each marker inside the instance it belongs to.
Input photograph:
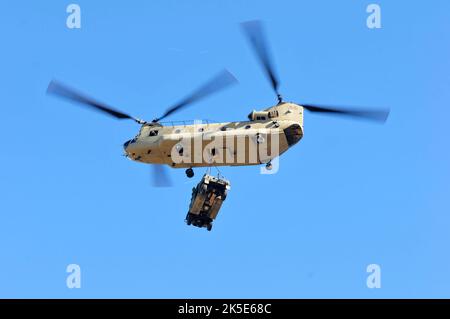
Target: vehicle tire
(190, 173)
(209, 227)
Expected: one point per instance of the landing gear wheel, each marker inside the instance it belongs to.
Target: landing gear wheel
(209, 227)
(190, 173)
(269, 166)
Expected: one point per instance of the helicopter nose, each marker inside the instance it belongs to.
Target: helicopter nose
(125, 145)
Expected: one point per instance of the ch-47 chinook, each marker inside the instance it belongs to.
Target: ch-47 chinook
(155, 142)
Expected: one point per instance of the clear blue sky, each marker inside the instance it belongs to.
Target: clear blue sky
(349, 195)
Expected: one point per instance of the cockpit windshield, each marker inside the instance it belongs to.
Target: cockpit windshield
(149, 130)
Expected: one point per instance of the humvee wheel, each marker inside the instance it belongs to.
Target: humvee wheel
(190, 173)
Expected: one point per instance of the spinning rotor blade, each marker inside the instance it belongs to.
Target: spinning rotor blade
(255, 34)
(160, 176)
(63, 91)
(378, 115)
(218, 83)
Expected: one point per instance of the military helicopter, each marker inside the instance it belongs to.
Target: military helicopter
(157, 143)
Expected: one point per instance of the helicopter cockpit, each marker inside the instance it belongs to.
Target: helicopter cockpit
(145, 131)
(149, 129)
(127, 143)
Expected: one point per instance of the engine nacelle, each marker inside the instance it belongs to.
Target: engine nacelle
(262, 115)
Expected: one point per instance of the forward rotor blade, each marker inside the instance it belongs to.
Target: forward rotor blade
(218, 83)
(255, 34)
(378, 115)
(160, 176)
(63, 91)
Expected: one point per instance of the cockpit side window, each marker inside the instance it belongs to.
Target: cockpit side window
(153, 133)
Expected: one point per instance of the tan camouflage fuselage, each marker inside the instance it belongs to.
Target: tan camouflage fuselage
(266, 135)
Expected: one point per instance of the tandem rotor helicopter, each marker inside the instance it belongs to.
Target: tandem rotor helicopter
(154, 142)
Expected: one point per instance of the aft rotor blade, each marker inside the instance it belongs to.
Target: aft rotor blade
(218, 83)
(255, 34)
(378, 115)
(64, 91)
(160, 176)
